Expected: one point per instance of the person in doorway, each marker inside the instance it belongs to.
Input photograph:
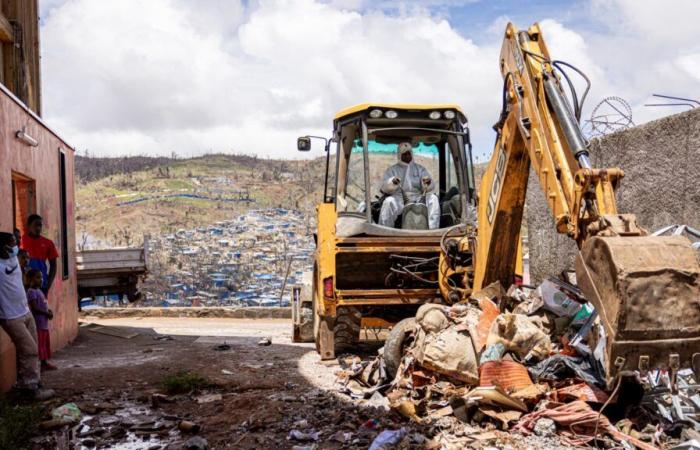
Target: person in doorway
(42, 251)
(42, 315)
(17, 320)
(408, 182)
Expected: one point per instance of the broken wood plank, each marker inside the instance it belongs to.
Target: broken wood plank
(116, 332)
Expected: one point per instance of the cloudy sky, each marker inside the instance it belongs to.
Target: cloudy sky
(192, 76)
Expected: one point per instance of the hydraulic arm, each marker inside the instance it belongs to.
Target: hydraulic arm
(646, 289)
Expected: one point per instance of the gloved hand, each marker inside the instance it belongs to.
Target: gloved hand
(391, 185)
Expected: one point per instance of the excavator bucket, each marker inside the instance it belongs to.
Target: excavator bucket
(647, 293)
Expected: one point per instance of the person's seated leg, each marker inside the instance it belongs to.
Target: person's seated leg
(433, 204)
(391, 208)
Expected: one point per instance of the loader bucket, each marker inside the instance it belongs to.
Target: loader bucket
(647, 293)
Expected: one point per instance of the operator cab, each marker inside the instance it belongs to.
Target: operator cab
(368, 138)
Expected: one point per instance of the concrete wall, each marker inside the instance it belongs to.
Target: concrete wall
(661, 160)
(40, 164)
(232, 312)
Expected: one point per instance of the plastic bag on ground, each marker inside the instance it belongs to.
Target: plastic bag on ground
(303, 436)
(388, 439)
(561, 367)
(67, 413)
(557, 301)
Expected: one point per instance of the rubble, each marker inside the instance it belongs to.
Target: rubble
(303, 436)
(249, 260)
(68, 413)
(388, 439)
(195, 443)
(265, 341)
(529, 361)
(188, 427)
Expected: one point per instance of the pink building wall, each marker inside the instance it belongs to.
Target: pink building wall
(42, 165)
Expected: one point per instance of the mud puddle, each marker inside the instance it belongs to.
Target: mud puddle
(122, 424)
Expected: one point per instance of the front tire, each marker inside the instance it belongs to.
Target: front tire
(346, 331)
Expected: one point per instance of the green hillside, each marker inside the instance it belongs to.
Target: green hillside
(119, 200)
(118, 206)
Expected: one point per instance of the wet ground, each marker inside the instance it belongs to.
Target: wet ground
(279, 396)
(258, 394)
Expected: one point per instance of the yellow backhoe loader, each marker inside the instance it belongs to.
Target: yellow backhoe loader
(646, 289)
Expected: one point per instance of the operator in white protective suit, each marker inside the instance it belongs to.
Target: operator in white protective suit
(408, 182)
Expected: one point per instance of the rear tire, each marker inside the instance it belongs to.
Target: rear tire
(305, 332)
(395, 343)
(346, 331)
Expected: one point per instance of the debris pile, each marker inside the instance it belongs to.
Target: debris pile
(250, 260)
(526, 364)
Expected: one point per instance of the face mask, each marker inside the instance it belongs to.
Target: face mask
(13, 251)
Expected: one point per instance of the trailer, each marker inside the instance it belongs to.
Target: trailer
(115, 271)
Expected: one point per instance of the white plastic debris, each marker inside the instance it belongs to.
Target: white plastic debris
(557, 301)
(303, 436)
(388, 439)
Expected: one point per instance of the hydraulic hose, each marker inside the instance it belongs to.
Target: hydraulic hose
(569, 124)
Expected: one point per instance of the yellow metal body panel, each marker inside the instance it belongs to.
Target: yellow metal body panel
(398, 106)
(329, 245)
(324, 265)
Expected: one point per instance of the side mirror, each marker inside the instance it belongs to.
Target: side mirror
(304, 144)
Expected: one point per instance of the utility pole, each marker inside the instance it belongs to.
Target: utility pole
(284, 284)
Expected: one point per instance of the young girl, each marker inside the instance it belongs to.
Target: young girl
(42, 315)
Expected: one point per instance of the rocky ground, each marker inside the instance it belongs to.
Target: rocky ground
(153, 383)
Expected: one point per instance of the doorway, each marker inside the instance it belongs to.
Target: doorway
(23, 200)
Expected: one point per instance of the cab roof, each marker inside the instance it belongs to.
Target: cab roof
(398, 106)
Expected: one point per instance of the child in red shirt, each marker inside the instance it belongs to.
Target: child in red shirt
(42, 315)
(42, 251)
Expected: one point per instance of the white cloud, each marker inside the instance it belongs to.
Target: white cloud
(643, 45)
(151, 77)
(690, 64)
(176, 75)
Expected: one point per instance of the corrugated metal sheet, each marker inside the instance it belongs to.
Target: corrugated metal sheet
(509, 375)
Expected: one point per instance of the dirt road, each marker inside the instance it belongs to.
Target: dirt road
(256, 395)
(206, 383)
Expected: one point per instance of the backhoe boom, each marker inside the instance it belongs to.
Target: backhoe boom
(643, 287)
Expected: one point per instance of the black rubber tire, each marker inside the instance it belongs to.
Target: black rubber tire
(395, 343)
(346, 330)
(305, 333)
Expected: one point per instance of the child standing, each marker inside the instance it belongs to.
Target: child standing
(42, 315)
